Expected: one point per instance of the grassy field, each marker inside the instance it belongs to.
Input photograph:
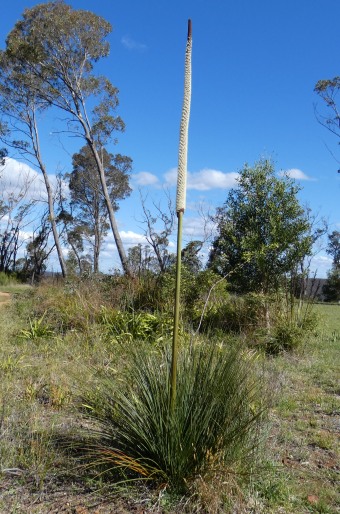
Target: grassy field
(40, 373)
(305, 439)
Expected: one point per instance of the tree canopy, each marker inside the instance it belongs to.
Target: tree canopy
(263, 232)
(88, 204)
(328, 89)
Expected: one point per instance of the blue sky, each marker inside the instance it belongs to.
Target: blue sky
(255, 65)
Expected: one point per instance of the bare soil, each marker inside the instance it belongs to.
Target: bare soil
(16, 498)
(4, 298)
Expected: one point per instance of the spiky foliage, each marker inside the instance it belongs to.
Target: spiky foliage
(216, 421)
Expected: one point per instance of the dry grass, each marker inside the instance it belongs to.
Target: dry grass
(38, 380)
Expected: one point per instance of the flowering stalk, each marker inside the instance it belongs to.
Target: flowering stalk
(180, 207)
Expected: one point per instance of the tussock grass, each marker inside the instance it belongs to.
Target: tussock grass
(216, 422)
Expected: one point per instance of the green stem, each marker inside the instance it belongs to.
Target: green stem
(176, 315)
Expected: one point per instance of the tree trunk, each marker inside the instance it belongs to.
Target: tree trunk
(76, 253)
(35, 140)
(53, 223)
(113, 222)
(97, 238)
(96, 250)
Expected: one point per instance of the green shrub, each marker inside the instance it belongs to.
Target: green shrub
(274, 323)
(7, 279)
(285, 337)
(204, 294)
(37, 329)
(236, 314)
(216, 422)
(143, 326)
(292, 323)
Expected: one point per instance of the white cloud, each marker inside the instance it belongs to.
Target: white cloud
(171, 177)
(25, 235)
(145, 178)
(17, 177)
(196, 227)
(204, 180)
(321, 264)
(296, 173)
(131, 44)
(130, 237)
(211, 179)
(323, 260)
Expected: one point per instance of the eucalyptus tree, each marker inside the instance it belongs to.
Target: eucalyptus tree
(10, 232)
(76, 258)
(38, 250)
(87, 200)
(191, 258)
(333, 248)
(16, 211)
(21, 107)
(328, 90)
(56, 47)
(158, 237)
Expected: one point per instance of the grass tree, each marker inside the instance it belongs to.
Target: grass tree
(174, 416)
(216, 423)
(180, 204)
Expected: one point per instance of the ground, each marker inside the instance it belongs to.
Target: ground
(303, 443)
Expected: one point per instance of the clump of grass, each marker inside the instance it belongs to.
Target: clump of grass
(216, 421)
(37, 329)
(127, 326)
(7, 279)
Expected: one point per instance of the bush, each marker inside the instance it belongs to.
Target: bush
(7, 279)
(70, 305)
(217, 419)
(274, 323)
(127, 326)
(293, 324)
(236, 314)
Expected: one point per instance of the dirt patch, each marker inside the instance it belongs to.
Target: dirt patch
(63, 499)
(4, 298)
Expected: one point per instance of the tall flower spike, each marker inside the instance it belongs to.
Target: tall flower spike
(180, 206)
(184, 127)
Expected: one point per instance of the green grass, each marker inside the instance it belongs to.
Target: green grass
(216, 421)
(39, 385)
(305, 444)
